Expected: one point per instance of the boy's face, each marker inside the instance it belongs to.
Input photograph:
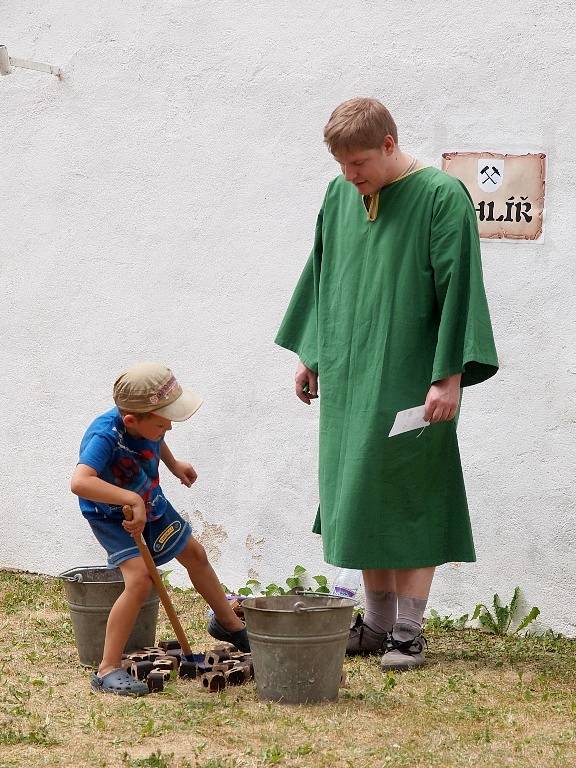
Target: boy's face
(148, 426)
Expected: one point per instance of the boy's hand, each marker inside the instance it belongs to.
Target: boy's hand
(185, 473)
(136, 525)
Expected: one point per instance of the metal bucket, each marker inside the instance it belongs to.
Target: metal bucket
(91, 593)
(298, 644)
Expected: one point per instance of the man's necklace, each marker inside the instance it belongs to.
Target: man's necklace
(374, 199)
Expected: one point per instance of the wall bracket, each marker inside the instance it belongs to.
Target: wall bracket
(7, 62)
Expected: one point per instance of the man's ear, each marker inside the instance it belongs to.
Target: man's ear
(389, 145)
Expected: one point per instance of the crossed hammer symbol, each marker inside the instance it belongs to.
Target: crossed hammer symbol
(488, 175)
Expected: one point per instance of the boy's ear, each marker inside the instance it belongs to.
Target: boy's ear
(129, 420)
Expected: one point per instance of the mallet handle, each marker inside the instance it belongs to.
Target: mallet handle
(160, 588)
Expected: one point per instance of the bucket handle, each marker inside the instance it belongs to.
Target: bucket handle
(309, 593)
(299, 607)
(77, 577)
(318, 594)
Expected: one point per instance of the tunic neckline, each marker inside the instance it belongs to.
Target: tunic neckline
(371, 201)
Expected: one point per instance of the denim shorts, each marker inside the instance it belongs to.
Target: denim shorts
(166, 537)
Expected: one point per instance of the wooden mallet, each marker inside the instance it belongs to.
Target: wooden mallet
(162, 593)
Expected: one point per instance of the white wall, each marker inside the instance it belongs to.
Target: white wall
(159, 203)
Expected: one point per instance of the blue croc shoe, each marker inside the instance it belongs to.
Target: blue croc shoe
(239, 638)
(120, 683)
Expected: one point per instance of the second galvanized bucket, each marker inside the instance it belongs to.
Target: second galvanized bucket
(298, 644)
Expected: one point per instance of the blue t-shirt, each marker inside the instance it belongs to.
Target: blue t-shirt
(122, 460)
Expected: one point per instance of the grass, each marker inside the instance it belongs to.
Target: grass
(481, 700)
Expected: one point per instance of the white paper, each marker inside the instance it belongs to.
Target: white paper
(405, 421)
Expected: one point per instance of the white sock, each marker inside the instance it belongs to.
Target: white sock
(380, 613)
(411, 612)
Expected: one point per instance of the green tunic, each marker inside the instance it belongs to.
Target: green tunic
(383, 309)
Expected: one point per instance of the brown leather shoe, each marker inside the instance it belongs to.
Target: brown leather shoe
(363, 640)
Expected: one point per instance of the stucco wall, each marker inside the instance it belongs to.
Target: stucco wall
(159, 203)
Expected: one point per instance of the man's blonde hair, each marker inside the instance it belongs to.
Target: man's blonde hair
(359, 124)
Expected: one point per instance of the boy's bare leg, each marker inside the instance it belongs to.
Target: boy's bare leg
(202, 575)
(124, 612)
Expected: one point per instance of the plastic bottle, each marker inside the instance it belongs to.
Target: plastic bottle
(347, 583)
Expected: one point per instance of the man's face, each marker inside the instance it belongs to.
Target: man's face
(367, 169)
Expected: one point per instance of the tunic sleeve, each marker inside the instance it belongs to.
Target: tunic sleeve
(465, 341)
(299, 329)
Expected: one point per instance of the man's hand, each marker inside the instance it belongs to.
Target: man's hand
(442, 399)
(306, 383)
(136, 525)
(184, 472)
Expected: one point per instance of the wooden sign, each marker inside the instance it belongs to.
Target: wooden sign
(507, 191)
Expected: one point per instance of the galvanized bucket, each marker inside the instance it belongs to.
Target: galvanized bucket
(91, 593)
(298, 644)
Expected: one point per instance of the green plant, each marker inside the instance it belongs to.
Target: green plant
(165, 577)
(37, 737)
(252, 587)
(499, 621)
(294, 583)
(217, 762)
(436, 621)
(273, 755)
(155, 760)
(321, 584)
(95, 721)
(389, 681)
(147, 728)
(22, 592)
(303, 749)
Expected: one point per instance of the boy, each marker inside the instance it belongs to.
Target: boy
(118, 465)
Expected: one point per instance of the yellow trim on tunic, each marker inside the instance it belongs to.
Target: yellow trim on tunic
(371, 201)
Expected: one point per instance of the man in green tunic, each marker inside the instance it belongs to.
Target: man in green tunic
(389, 314)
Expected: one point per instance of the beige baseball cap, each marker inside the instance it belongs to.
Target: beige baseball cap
(152, 388)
